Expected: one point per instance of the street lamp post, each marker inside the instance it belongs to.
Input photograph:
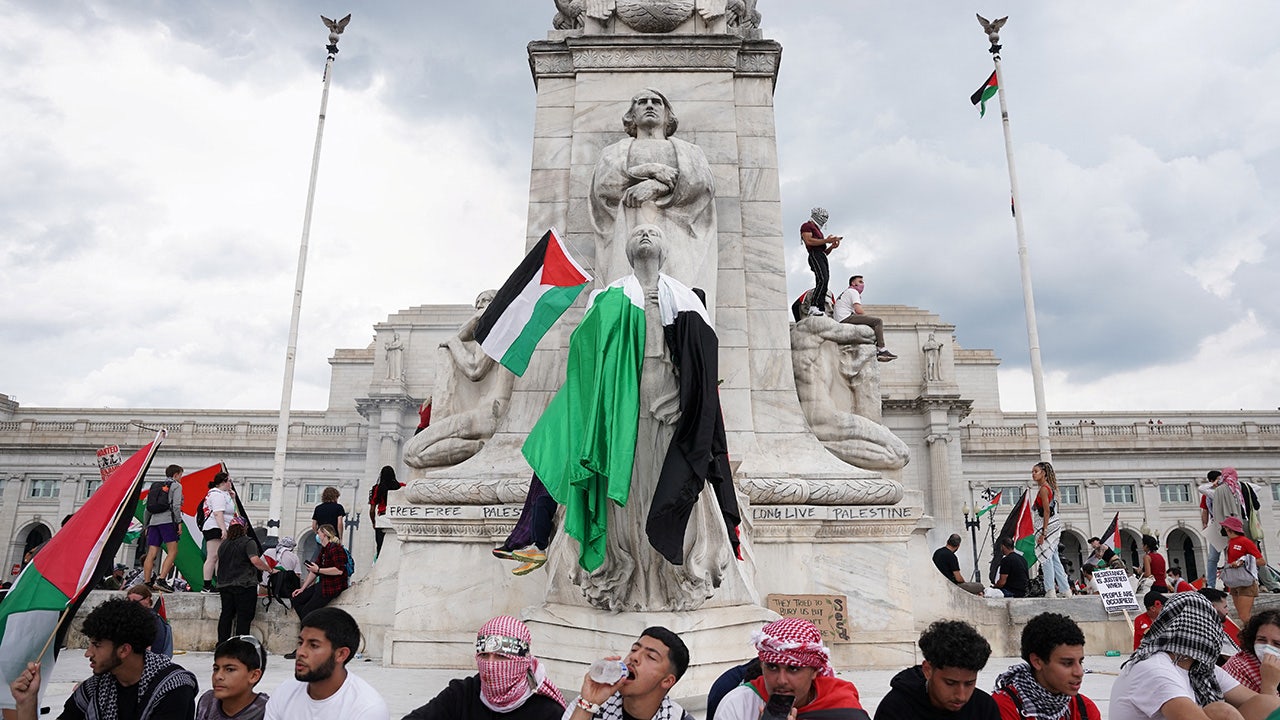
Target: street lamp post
(973, 526)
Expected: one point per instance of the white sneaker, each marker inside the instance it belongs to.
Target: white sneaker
(816, 312)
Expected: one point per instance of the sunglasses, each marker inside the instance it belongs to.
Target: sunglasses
(257, 645)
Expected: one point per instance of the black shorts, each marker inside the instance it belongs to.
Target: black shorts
(213, 534)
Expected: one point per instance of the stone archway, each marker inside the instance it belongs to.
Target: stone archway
(1073, 549)
(28, 537)
(1131, 548)
(1184, 548)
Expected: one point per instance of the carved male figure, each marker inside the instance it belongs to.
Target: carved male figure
(395, 365)
(932, 350)
(654, 178)
(834, 372)
(471, 396)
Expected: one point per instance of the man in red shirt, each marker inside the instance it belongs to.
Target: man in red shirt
(1154, 601)
(1176, 583)
(819, 247)
(1048, 682)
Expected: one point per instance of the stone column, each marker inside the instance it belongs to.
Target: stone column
(940, 499)
(68, 496)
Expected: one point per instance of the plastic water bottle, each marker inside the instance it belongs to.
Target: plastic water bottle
(608, 672)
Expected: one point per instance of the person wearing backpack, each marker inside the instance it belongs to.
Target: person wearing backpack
(163, 524)
(330, 568)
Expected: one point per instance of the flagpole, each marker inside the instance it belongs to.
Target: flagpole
(992, 31)
(286, 391)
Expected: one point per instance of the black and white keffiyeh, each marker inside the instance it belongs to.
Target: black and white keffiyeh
(96, 697)
(1034, 699)
(611, 709)
(1187, 626)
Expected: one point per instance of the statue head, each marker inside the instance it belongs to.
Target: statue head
(484, 298)
(644, 105)
(819, 216)
(646, 241)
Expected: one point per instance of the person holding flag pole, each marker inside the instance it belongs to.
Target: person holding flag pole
(35, 614)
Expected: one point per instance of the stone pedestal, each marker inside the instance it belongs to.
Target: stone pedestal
(448, 584)
(835, 530)
(862, 552)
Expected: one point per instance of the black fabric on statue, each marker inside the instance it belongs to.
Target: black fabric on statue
(699, 450)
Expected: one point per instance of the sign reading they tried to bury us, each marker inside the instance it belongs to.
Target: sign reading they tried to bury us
(829, 612)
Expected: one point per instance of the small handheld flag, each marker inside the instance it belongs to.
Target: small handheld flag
(991, 504)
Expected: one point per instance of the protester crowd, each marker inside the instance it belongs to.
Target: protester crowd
(1177, 669)
(1233, 539)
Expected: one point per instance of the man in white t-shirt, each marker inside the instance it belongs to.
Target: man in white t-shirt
(322, 687)
(1174, 674)
(848, 309)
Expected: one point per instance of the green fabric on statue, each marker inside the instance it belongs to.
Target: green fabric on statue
(583, 447)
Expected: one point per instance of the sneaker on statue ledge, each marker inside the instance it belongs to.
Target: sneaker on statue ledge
(162, 585)
(885, 356)
(815, 312)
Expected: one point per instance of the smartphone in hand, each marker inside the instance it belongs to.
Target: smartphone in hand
(778, 707)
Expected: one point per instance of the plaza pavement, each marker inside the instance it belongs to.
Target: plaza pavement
(406, 689)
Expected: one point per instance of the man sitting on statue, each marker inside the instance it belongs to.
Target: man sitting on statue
(511, 684)
(793, 662)
(657, 660)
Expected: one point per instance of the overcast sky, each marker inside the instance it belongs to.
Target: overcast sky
(155, 158)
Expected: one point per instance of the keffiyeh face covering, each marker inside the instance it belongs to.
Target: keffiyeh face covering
(511, 678)
(1188, 626)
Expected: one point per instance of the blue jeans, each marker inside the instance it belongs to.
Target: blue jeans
(1055, 574)
(1211, 572)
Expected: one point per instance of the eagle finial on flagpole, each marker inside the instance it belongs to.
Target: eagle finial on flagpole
(992, 29)
(335, 29)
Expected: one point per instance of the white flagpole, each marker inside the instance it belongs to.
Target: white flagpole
(1024, 260)
(286, 391)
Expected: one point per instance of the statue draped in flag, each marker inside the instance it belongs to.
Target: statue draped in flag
(629, 444)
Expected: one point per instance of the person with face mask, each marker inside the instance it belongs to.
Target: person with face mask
(511, 684)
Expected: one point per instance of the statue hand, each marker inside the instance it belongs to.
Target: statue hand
(644, 192)
(664, 174)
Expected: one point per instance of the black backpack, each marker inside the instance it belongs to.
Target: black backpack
(158, 498)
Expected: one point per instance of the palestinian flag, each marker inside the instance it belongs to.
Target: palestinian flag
(583, 446)
(190, 559)
(1018, 527)
(985, 93)
(991, 505)
(545, 284)
(1111, 536)
(50, 589)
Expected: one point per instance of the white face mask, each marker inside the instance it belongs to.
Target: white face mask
(1262, 650)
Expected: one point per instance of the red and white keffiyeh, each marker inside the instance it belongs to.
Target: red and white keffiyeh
(792, 641)
(515, 675)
